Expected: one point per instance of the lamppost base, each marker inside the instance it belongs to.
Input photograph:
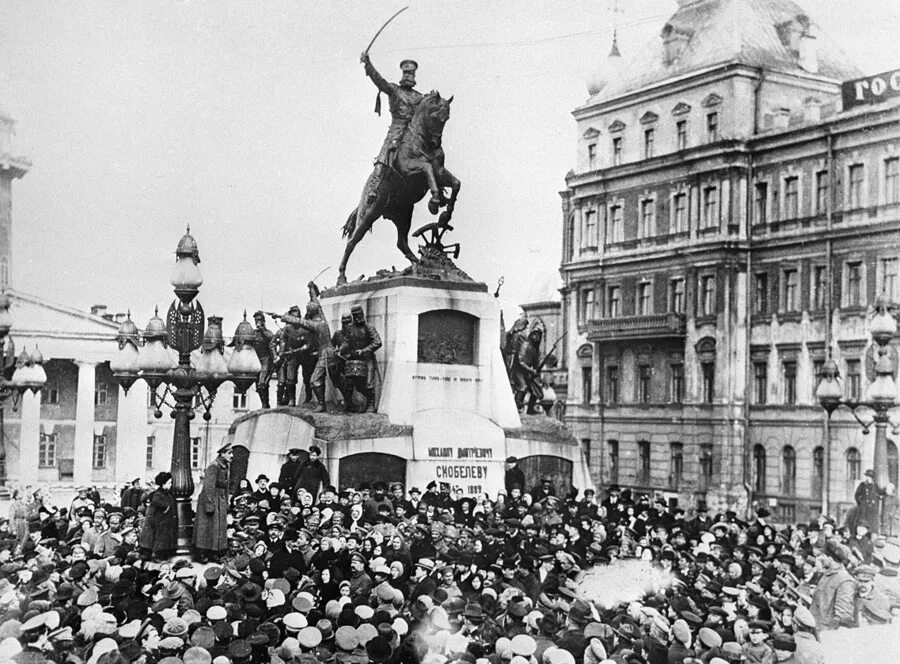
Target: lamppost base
(185, 540)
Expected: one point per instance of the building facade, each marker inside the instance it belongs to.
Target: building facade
(727, 227)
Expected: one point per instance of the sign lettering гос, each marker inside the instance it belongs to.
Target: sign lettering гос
(871, 89)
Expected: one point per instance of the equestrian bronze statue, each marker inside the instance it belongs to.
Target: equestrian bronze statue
(410, 164)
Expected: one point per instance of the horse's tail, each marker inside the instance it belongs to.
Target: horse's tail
(350, 224)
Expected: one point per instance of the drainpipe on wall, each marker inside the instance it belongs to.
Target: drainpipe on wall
(829, 309)
(748, 312)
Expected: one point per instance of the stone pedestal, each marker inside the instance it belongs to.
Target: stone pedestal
(445, 408)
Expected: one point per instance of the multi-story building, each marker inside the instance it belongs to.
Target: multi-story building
(727, 227)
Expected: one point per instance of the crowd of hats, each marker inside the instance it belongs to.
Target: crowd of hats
(432, 579)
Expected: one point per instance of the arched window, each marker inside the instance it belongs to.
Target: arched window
(854, 464)
(759, 469)
(643, 469)
(788, 470)
(818, 477)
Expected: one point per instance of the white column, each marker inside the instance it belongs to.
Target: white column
(84, 423)
(29, 442)
(131, 433)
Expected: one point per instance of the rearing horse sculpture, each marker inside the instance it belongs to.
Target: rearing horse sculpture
(418, 168)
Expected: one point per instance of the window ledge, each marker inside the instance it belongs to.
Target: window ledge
(705, 319)
(790, 316)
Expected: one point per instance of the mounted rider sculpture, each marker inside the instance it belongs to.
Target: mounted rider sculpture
(410, 163)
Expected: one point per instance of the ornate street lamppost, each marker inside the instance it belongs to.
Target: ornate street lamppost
(19, 374)
(881, 396)
(183, 333)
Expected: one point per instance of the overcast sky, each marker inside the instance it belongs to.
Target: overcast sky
(253, 122)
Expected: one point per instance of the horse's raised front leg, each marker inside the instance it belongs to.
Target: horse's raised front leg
(447, 179)
(435, 203)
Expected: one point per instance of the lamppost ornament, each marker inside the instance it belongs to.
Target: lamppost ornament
(17, 374)
(881, 396)
(188, 377)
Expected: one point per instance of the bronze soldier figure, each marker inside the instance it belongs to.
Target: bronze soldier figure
(263, 346)
(526, 371)
(360, 343)
(287, 346)
(402, 101)
(314, 322)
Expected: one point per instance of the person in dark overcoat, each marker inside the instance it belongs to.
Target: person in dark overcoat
(159, 533)
(210, 522)
(868, 502)
(312, 474)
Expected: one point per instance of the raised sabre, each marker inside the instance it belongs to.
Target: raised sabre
(365, 53)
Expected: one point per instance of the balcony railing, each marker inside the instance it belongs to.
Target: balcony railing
(638, 327)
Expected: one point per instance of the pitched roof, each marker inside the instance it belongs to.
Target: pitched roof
(727, 31)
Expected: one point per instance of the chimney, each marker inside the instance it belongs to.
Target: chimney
(808, 53)
(812, 110)
(108, 317)
(120, 317)
(781, 118)
(98, 310)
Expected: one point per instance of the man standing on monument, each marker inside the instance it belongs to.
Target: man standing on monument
(262, 343)
(287, 344)
(361, 340)
(314, 322)
(402, 101)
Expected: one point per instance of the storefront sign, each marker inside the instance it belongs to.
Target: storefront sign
(871, 90)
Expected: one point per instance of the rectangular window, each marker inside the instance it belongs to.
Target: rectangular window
(708, 377)
(855, 186)
(761, 293)
(648, 217)
(710, 207)
(854, 284)
(676, 465)
(821, 192)
(761, 202)
(681, 213)
(592, 156)
(676, 296)
(820, 287)
(649, 139)
(588, 311)
(818, 365)
(892, 180)
(612, 447)
(643, 470)
(775, 208)
(707, 295)
(151, 443)
(239, 401)
(760, 381)
(587, 379)
(712, 127)
(706, 466)
(590, 229)
(791, 294)
(790, 382)
(99, 451)
(613, 296)
(586, 449)
(644, 374)
(195, 452)
(889, 281)
(681, 134)
(854, 380)
(50, 395)
(47, 450)
(617, 150)
(614, 224)
(791, 198)
(676, 386)
(101, 394)
(642, 302)
(612, 384)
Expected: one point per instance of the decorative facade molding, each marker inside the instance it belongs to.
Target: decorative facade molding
(711, 100)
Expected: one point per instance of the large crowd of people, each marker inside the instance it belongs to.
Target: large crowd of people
(291, 569)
